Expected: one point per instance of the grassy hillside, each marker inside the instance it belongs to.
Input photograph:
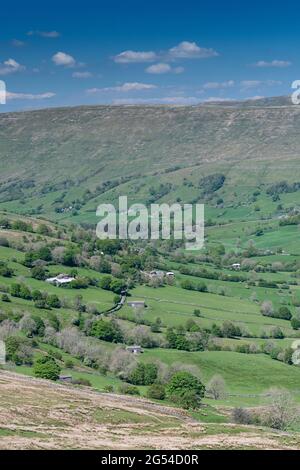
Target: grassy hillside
(62, 162)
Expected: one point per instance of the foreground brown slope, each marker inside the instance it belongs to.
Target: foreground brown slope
(37, 414)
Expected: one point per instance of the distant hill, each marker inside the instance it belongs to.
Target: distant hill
(52, 158)
(255, 103)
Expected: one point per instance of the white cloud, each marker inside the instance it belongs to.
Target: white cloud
(127, 57)
(125, 88)
(183, 50)
(44, 34)
(273, 63)
(162, 68)
(61, 58)
(159, 68)
(218, 85)
(190, 50)
(82, 74)
(10, 66)
(29, 96)
(171, 100)
(257, 83)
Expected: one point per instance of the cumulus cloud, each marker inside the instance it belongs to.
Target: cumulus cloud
(218, 85)
(127, 57)
(191, 50)
(183, 50)
(125, 88)
(82, 74)
(61, 58)
(44, 34)
(273, 63)
(10, 66)
(162, 68)
(28, 96)
(158, 68)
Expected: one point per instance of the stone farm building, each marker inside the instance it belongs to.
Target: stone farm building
(134, 349)
(161, 275)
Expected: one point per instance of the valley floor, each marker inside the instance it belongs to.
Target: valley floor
(38, 414)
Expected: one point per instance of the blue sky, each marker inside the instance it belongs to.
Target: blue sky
(115, 52)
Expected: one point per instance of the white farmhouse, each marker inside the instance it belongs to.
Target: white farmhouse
(236, 266)
(60, 280)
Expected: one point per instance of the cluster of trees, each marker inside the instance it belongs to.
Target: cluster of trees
(283, 187)
(278, 353)
(267, 284)
(290, 220)
(86, 349)
(186, 390)
(143, 374)
(46, 367)
(5, 270)
(157, 193)
(112, 284)
(269, 347)
(189, 338)
(107, 330)
(226, 330)
(16, 225)
(211, 183)
(19, 350)
(280, 413)
(190, 285)
(34, 325)
(41, 299)
(192, 337)
(180, 386)
(110, 330)
(31, 257)
(82, 282)
(268, 310)
(215, 275)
